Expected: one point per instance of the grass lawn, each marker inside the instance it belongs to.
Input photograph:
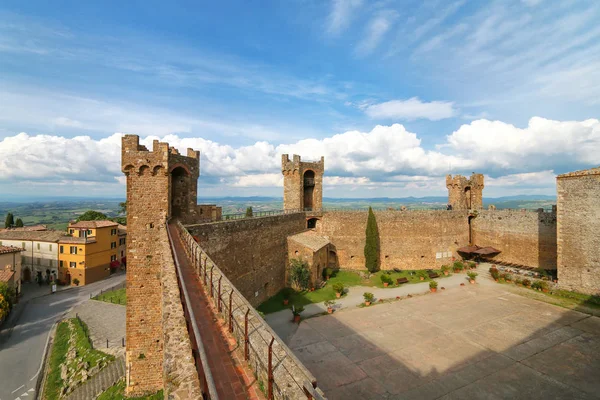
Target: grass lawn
(117, 296)
(412, 276)
(348, 278)
(59, 354)
(117, 392)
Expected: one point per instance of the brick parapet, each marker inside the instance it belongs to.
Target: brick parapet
(289, 373)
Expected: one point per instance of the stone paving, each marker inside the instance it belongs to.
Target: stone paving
(100, 382)
(105, 321)
(468, 342)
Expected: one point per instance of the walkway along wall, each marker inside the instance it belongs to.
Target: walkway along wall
(252, 333)
(251, 251)
(408, 239)
(524, 237)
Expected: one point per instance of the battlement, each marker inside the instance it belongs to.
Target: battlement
(475, 181)
(296, 164)
(465, 194)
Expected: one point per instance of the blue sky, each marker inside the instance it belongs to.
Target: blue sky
(395, 94)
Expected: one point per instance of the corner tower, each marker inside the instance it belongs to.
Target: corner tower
(160, 184)
(465, 194)
(302, 183)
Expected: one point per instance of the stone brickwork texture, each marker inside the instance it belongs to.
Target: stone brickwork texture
(151, 198)
(251, 252)
(523, 237)
(465, 194)
(408, 239)
(300, 193)
(579, 231)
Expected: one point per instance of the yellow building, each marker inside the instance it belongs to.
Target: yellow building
(89, 253)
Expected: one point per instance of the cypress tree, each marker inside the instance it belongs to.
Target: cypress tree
(248, 212)
(9, 221)
(372, 243)
(19, 223)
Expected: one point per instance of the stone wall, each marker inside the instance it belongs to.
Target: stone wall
(523, 237)
(294, 197)
(578, 231)
(408, 239)
(252, 252)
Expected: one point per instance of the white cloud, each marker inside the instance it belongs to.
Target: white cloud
(375, 31)
(411, 109)
(259, 180)
(342, 12)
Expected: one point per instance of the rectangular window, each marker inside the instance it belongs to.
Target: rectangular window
(121, 242)
(23, 244)
(113, 258)
(38, 246)
(0, 242)
(113, 232)
(50, 247)
(73, 250)
(71, 231)
(61, 249)
(50, 263)
(61, 263)
(73, 264)
(122, 253)
(113, 245)
(89, 231)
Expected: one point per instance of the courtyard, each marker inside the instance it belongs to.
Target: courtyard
(467, 342)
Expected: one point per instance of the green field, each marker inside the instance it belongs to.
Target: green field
(117, 296)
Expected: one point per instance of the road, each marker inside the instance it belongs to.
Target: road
(22, 348)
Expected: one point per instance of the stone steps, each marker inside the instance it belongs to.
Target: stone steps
(98, 383)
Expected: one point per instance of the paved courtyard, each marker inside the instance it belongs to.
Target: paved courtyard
(471, 342)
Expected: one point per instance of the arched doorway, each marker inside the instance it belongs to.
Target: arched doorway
(312, 223)
(332, 259)
(180, 189)
(27, 274)
(309, 189)
(468, 197)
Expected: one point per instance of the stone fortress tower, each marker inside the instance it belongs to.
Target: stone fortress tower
(161, 184)
(465, 194)
(302, 183)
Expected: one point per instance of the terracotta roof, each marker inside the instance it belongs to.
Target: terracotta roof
(92, 224)
(77, 240)
(310, 239)
(36, 236)
(592, 171)
(122, 230)
(27, 228)
(6, 275)
(10, 249)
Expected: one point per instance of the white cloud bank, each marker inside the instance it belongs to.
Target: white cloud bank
(387, 156)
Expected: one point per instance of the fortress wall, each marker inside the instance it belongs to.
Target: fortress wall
(408, 239)
(251, 252)
(578, 231)
(524, 237)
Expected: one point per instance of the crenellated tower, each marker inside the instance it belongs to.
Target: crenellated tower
(465, 194)
(161, 184)
(302, 183)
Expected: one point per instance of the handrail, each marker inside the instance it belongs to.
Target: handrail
(189, 241)
(210, 383)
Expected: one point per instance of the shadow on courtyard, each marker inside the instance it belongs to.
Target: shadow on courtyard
(469, 342)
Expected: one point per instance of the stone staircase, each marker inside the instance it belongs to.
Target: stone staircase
(98, 383)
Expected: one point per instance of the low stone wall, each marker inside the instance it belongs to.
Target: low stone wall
(289, 374)
(179, 370)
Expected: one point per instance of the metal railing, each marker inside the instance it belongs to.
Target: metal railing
(207, 383)
(238, 216)
(274, 364)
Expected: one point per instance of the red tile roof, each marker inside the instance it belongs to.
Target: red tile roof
(10, 249)
(92, 224)
(6, 275)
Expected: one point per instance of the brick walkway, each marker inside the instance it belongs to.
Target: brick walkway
(233, 378)
(100, 382)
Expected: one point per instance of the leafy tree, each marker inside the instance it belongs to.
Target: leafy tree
(4, 307)
(10, 220)
(372, 243)
(123, 207)
(92, 215)
(248, 212)
(19, 223)
(8, 293)
(299, 274)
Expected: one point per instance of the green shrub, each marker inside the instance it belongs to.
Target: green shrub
(458, 266)
(286, 293)
(506, 276)
(338, 287)
(536, 285)
(368, 296)
(386, 279)
(297, 310)
(327, 272)
(76, 282)
(9, 293)
(299, 274)
(249, 212)
(445, 268)
(526, 282)
(472, 275)
(495, 273)
(518, 281)
(433, 285)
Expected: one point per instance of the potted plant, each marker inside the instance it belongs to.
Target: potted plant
(472, 265)
(76, 282)
(536, 285)
(472, 276)
(507, 277)
(445, 269)
(286, 294)
(518, 281)
(296, 312)
(386, 279)
(495, 274)
(457, 266)
(433, 286)
(338, 287)
(526, 282)
(327, 272)
(368, 298)
(421, 275)
(329, 304)
(544, 286)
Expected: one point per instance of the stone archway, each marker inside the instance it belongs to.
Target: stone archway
(308, 181)
(180, 191)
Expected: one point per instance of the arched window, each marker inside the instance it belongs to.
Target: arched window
(309, 189)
